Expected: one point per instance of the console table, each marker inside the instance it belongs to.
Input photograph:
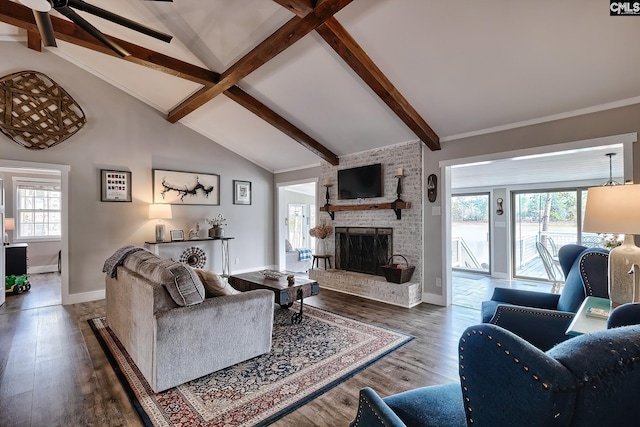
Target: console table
(174, 248)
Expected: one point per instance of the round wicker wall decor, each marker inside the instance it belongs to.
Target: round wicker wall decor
(36, 112)
(194, 257)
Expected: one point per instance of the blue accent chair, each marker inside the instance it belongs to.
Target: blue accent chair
(588, 381)
(542, 318)
(626, 314)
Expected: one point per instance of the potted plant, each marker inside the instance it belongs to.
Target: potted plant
(217, 226)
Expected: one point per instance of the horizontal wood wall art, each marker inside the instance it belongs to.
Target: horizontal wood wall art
(36, 112)
(185, 188)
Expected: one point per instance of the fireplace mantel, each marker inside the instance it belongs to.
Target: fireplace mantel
(396, 206)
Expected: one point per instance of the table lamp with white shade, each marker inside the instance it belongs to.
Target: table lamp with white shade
(9, 225)
(160, 211)
(615, 209)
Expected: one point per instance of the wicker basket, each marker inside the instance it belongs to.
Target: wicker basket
(396, 273)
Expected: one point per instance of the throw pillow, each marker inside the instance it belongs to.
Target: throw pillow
(186, 288)
(214, 285)
(287, 245)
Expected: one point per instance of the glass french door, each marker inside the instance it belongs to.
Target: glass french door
(470, 232)
(299, 224)
(544, 221)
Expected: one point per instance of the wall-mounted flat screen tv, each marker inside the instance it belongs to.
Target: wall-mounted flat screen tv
(360, 183)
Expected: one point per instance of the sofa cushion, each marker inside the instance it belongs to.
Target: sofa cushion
(214, 285)
(186, 288)
(182, 283)
(149, 266)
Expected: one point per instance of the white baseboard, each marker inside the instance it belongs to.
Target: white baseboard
(83, 297)
(39, 269)
(433, 299)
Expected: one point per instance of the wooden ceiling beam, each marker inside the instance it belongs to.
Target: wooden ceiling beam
(299, 7)
(350, 51)
(268, 115)
(22, 17)
(280, 40)
(34, 41)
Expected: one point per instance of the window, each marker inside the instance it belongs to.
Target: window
(38, 214)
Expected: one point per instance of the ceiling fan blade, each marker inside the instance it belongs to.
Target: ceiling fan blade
(82, 23)
(39, 5)
(43, 21)
(109, 16)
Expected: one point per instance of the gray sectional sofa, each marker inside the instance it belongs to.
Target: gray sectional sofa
(158, 310)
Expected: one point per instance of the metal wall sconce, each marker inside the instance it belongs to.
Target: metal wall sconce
(432, 188)
(500, 209)
(327, 184)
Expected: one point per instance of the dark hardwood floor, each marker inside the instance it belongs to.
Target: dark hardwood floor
(45, 291)
(53, 372)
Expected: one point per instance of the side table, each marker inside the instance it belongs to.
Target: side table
(317, 258)
(583, 324)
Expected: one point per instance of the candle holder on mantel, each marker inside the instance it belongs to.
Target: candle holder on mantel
(327, 185)
(399, 174)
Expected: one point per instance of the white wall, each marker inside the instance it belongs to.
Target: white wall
(124, 134)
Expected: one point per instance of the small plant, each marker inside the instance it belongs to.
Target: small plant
(218, 221)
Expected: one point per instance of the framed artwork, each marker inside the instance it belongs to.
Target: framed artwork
(176, 235)
(241, 192)
(185, 188)
(115, 186)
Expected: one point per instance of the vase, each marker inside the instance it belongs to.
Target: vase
(322, 247)
(216, 232)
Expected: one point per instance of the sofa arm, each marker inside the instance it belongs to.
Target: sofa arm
(526, 298)
(540, 327)
(372, 411)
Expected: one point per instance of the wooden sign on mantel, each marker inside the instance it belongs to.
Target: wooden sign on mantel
(36, 112)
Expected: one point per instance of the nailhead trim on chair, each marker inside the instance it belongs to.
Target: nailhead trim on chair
(359, 414)
(585, 279)
(502, 308)
(463, 378)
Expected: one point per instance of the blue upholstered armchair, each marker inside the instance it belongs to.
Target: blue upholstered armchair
(542, 318)
(589, 381)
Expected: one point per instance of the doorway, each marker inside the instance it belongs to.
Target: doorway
(560, 173)
(36, 197)
(297, 206)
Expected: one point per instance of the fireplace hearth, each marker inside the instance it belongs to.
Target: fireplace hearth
(363, 249)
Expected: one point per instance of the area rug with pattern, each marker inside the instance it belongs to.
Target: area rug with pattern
(305, 361)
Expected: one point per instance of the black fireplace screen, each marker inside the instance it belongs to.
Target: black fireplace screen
(363, 249)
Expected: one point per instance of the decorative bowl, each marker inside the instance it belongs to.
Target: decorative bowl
(272, 274)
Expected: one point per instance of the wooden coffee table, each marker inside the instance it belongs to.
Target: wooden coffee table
(285, 295)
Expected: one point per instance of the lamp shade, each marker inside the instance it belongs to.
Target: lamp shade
(160, 211)
(613, 209)
(9, 224)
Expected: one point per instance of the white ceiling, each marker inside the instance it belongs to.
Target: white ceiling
(467, 68)
(587, 166)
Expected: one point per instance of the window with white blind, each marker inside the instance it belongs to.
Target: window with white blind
(37, 208)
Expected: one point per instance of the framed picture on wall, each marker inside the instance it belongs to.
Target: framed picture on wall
(185, 188)
(241, 192)
(115, 186)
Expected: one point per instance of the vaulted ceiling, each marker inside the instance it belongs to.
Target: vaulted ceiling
(287, 83)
